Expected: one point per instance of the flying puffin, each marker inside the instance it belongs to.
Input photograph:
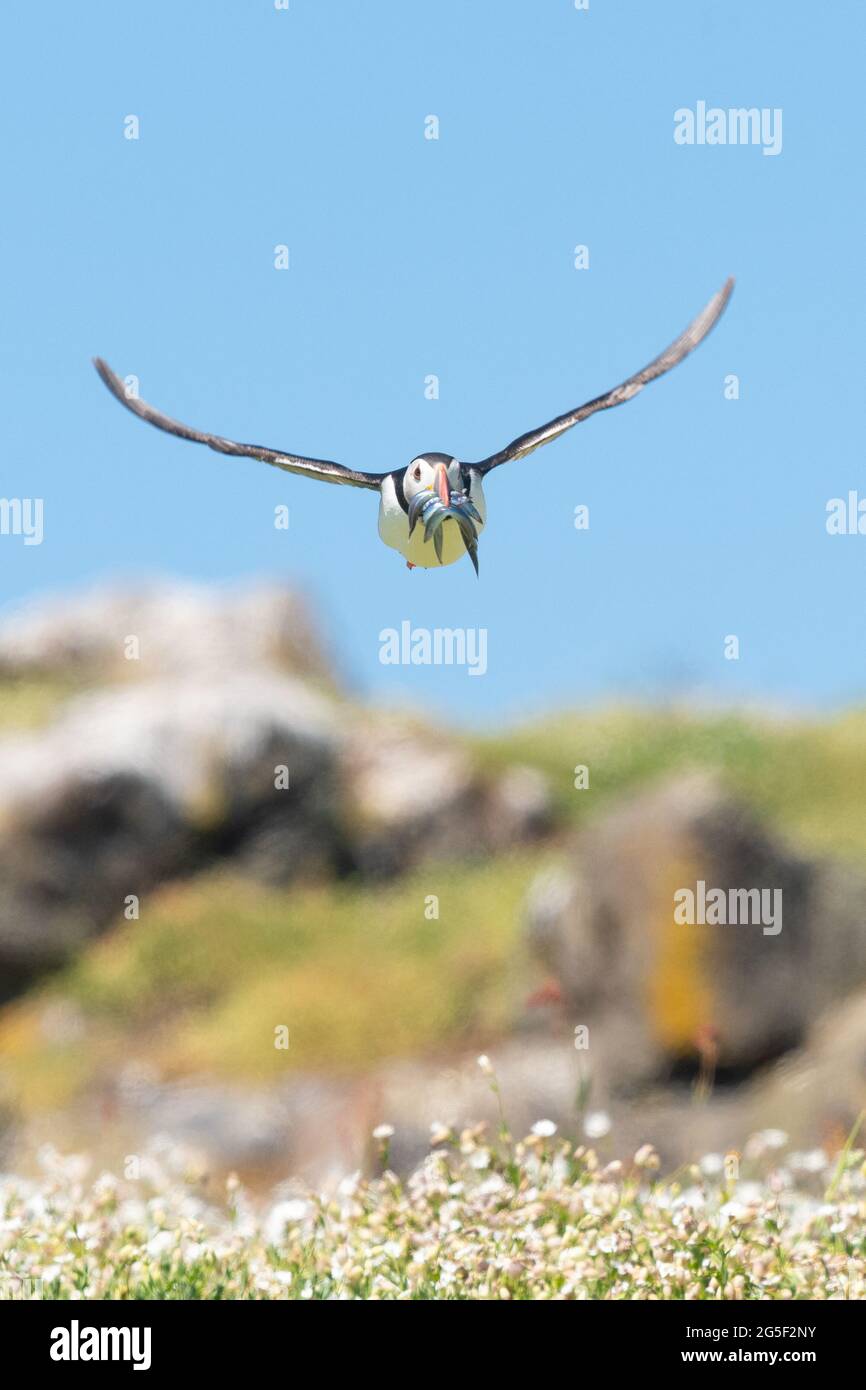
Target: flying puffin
(434, 511)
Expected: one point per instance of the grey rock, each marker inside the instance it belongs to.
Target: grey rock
(173, 762)
(137, 784)
(414, 795)
(179, 628)
(602, 921)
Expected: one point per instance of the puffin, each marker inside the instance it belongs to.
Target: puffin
(433, 511)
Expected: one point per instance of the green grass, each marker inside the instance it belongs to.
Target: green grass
(31, 702)
(209, 971)
(805, 777)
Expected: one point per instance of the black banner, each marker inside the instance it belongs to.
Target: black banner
(138, 1336)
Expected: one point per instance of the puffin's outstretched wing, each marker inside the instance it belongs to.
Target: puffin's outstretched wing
(694, 334)
(291, 463)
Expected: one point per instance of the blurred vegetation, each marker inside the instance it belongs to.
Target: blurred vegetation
(354, 973)
(535, 1219)
(359, 973)
(30, 702)
(806, 778)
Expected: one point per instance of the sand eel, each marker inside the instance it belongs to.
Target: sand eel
(434, 511)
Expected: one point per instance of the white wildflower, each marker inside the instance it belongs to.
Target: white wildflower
(544, 1129)
(597, 1124)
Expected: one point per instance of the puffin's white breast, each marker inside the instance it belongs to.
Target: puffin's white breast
(394, 528)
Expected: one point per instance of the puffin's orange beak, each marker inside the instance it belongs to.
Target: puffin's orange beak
(442, 486)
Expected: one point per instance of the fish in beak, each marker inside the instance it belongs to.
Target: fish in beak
(434, 506)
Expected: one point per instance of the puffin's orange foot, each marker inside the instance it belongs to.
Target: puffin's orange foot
(410, 566)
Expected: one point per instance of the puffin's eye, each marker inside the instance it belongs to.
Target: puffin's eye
(417, 474)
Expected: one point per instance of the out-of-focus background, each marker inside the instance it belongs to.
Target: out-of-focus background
(243, 909)
(262, 892)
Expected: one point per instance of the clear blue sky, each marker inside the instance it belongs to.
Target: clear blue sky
(453, 257)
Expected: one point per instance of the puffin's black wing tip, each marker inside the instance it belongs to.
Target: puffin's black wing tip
(672, 355)
(111, 379)
(326, 470)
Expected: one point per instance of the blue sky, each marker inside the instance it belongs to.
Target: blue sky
(451, 257)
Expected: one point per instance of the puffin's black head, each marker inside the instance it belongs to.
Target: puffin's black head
(436, 473)
(433, 488)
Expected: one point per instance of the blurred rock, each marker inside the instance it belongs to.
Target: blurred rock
(415, 795)
(816, 1093)
(179, 628)
(730, 996)
(150, 778)
(521, 806)
(140, 783)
